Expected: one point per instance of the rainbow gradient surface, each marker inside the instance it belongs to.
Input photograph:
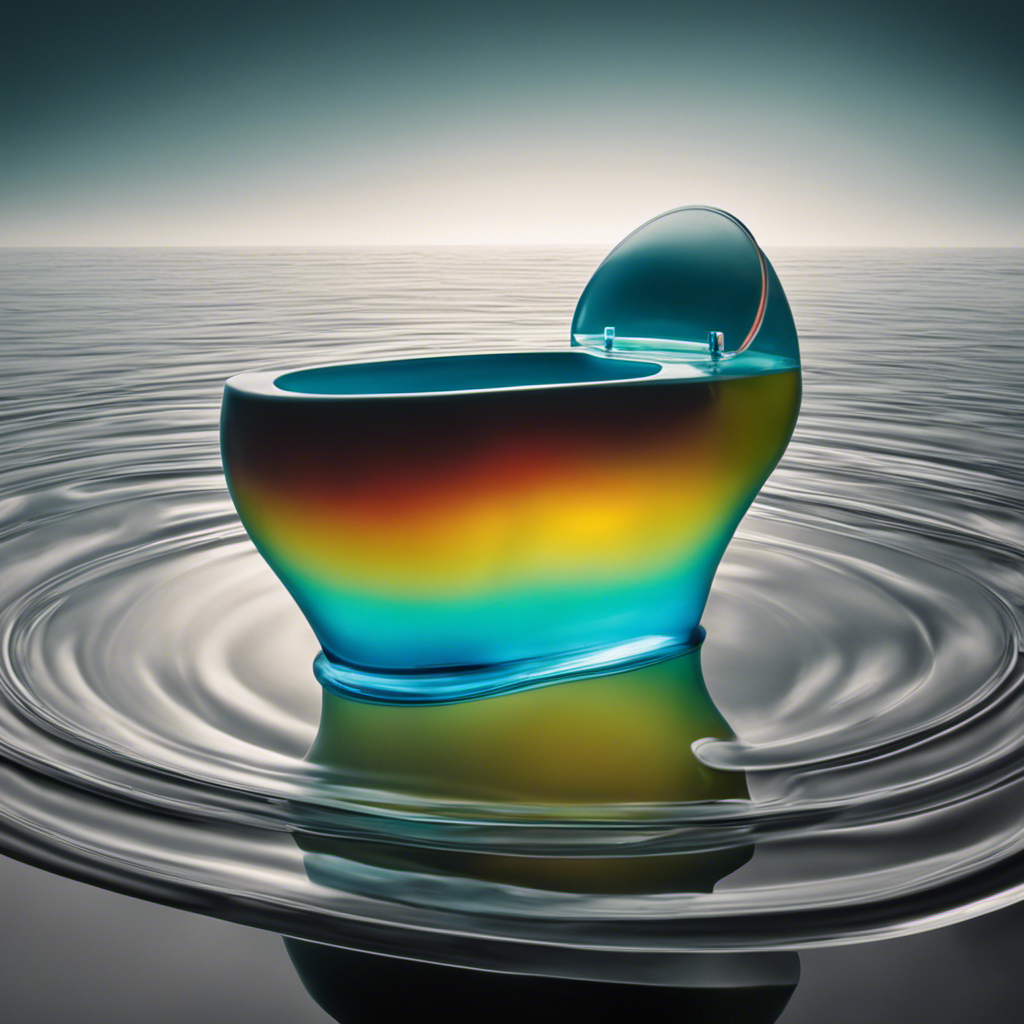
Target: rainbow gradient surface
(475, 515)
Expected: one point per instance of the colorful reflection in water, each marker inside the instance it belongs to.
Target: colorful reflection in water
(610, 745)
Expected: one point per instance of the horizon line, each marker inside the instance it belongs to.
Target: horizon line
(468, 245)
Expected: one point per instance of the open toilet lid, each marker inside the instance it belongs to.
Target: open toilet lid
(685, 277)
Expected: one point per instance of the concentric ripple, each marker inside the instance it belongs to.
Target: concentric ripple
(156, 693)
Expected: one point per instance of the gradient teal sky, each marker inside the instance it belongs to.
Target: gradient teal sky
(202, 124)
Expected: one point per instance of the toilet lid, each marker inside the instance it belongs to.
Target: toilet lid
(677, 283)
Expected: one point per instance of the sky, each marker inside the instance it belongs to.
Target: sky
(299, 123)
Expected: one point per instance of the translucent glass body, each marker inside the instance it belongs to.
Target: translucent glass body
(460, 526)
(495, 533)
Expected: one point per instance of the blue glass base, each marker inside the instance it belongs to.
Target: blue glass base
(472, 682)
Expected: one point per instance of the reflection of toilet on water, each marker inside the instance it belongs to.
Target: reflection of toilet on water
(607, 741)
(610, 747)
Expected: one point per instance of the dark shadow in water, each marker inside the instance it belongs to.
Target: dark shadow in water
(360, 987)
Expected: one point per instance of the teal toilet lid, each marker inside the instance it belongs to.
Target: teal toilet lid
(692, 280)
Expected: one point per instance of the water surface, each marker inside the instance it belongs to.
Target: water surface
(156, 697)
